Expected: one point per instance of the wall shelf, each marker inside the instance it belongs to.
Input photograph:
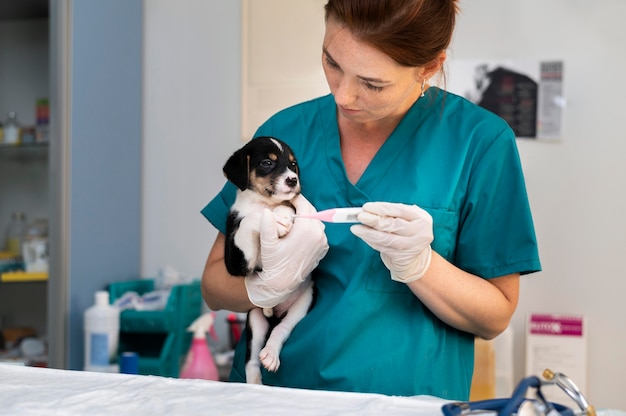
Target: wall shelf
(23, 277)
(24, 152)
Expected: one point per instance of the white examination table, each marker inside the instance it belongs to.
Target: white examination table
(26, 391)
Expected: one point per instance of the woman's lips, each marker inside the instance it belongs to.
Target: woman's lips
(348, 111)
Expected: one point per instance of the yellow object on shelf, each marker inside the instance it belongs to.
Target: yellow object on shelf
(24, 277)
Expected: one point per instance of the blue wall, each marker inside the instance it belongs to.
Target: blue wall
(106, 120)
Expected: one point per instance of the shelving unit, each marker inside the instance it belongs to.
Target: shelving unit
(24, 168)
(93, 211)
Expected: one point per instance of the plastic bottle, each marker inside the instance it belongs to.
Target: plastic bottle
(11, 129)
(199, 363)
(102, 328)
(15, 233)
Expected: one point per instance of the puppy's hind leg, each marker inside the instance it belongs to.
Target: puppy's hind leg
(258, 330)
(270, 355)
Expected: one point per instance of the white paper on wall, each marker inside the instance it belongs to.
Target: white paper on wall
(558, 343)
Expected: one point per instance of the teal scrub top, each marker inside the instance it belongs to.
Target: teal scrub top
(366, 332)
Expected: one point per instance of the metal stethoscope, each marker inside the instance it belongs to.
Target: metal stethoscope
(519, 404)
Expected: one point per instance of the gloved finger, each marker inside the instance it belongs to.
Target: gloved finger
(392, 209)
(384, 242)
(413, 221)
(378, 240)
(303, 206)
(268, 228)
(394, 225)
(308, 235)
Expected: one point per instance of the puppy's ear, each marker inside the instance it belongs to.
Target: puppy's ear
(237, 169)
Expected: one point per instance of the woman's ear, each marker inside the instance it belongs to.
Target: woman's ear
(431, 68)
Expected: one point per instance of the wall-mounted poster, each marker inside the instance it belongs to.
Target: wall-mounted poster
(527, 94)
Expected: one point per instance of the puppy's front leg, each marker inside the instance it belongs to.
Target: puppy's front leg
(247, 239)
(270, 355)
(258, 328)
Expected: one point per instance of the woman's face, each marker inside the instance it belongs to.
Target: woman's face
(368, 85)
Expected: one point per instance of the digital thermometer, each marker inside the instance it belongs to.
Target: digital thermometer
(345, 215)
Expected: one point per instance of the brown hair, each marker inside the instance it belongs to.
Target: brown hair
(411, 32)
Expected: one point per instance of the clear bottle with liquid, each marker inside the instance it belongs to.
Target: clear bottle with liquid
(15, 233)
(11, 129)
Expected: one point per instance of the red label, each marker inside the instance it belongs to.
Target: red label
(556, 325)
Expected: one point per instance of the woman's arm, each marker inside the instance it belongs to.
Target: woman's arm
(402, 234)
(220, 289)
(483, 307)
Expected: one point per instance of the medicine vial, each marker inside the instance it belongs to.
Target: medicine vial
(11, 129)
(102, 327)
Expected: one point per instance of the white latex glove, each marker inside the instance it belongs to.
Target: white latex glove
(286, 261)
(401, 233)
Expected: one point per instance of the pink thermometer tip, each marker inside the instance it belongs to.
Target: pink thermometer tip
(337, 215)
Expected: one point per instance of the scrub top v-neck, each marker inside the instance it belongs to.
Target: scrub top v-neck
(366, 332)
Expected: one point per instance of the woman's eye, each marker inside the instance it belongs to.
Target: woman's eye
(330, 62)
(373, 87)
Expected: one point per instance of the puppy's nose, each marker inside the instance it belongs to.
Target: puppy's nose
(292, 181)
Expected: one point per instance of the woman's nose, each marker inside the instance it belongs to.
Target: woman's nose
(346, 92)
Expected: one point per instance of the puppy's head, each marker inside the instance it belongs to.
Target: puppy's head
(267, 166)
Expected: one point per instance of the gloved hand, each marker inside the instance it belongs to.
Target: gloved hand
(401, 233)
(286, 261)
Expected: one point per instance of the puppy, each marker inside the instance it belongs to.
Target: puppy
(265, 172)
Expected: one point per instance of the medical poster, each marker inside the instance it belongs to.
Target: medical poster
(527, 94)
(558, 343)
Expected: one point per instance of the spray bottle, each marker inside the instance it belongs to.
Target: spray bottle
(199, 362)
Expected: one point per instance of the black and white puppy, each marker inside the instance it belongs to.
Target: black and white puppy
(265, 172)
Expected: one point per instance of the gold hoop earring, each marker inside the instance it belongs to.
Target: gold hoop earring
(423, 87)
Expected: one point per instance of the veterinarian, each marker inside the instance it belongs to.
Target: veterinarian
(446, 230)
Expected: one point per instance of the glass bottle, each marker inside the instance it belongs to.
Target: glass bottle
(11, 129)
(15, 233)
(35, 246)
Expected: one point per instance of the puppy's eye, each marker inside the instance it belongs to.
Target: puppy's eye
(266, 164)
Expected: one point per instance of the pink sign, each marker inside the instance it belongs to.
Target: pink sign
(556, 325)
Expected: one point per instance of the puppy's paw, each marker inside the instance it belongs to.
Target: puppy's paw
(284, 219)
(269, 359)
(268, 312)
(253, 374)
